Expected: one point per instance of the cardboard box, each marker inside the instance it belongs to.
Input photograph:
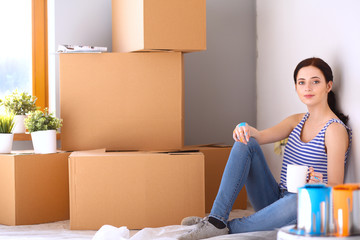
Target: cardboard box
(34, 188)
(127, 101)
(146, 25)
(216, 157)
(135, 189)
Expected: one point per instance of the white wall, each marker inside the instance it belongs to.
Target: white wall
(290, 31)
(219, 82)
(77, 22)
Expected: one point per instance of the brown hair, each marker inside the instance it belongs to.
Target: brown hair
(326, 70)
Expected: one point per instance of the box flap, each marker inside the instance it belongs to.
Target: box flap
(211, 145)
(87, 152)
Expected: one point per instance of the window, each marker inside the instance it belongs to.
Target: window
(16, 46)
(23, 46)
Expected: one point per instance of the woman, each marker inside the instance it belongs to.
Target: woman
(318, 139)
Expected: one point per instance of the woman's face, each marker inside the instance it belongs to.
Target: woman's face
(311, 86)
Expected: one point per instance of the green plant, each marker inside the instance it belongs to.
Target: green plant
(278, 145)
(283, 142)
(6, 123)
(41, 121)
(19, 103)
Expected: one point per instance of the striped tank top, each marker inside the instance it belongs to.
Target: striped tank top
(311, 154)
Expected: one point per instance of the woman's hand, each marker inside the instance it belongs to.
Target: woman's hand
(241, 133)
(314, 177)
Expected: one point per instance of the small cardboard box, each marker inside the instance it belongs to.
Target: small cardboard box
(127, 101)
(216, 157)
(134, 189)
(34, 188)
(147, 25)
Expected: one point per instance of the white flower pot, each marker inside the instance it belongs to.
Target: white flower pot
(6, 142)
(44, 141)
(19, 126)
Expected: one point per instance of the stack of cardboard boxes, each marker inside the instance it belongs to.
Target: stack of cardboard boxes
(131, 103)
(133, 99)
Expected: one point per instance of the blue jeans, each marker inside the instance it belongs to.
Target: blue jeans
(274, 207)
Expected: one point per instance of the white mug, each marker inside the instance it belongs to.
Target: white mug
(295, 177)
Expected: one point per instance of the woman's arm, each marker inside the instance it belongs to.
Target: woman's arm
(269, 135)
(336, 144)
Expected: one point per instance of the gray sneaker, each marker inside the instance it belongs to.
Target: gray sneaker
(188, 221)
(204, 229)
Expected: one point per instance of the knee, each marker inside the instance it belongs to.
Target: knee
(253, 142)
(251, 145)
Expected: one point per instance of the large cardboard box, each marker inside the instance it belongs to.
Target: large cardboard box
(127, 101)
(135, 189)
(216, 157)
(34, 188)
(146, 25)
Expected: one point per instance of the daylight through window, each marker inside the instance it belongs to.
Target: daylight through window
(15, 46)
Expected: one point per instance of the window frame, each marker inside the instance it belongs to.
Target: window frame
(40, 87)
(40, 53)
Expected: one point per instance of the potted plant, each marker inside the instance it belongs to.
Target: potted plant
(279, 147)
(6, 136)
(20, 104)
(43, 127)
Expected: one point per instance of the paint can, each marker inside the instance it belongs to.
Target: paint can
(314, 209)
(355, 229)
(346, 209)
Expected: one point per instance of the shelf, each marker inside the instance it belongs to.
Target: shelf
(27, 136)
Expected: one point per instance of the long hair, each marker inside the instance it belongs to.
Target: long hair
(326, 70)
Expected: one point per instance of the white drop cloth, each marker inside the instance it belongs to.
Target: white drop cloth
(171, 233)
(61, 230)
